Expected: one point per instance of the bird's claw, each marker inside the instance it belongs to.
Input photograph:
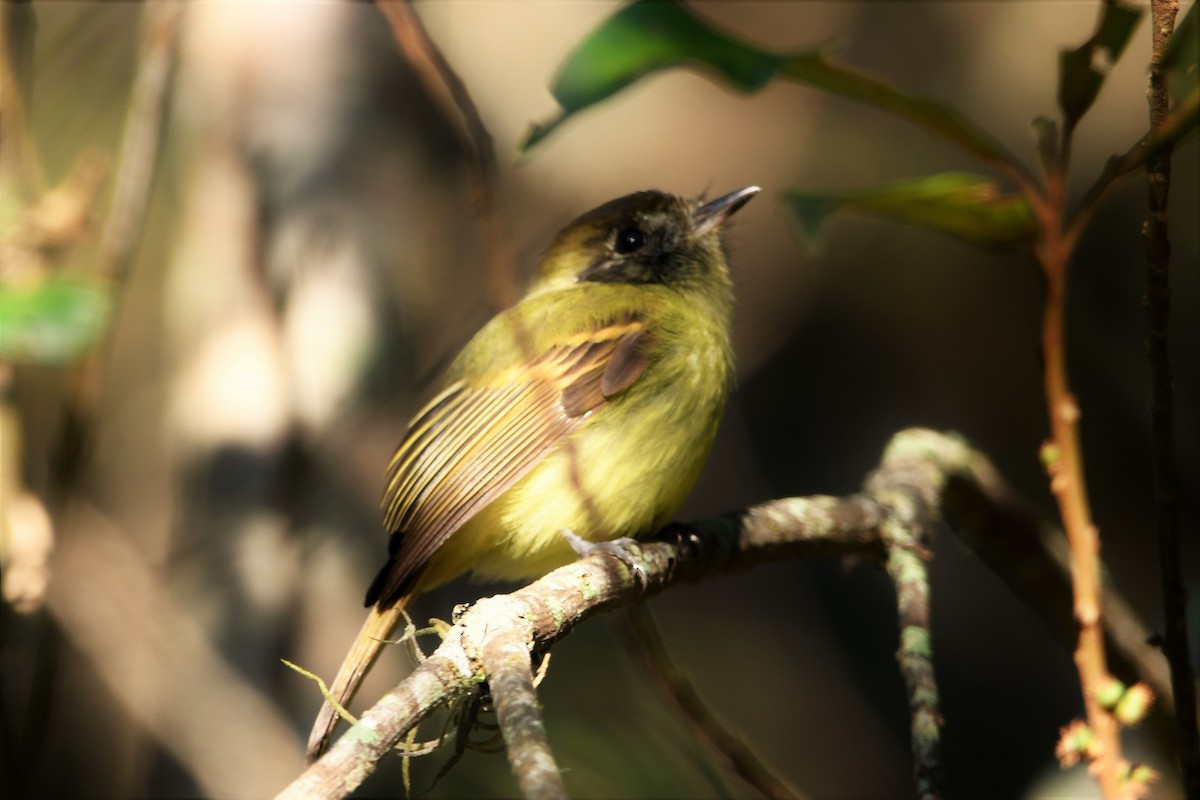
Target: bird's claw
(619, 549)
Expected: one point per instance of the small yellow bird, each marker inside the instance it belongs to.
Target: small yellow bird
(589, 407)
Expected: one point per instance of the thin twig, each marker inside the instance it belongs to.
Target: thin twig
(142, 138)
(1064, 463)
(20, 164)
(1154, 144)
(1157, 305)
(446, 89)
(438, 681)
(644, 639)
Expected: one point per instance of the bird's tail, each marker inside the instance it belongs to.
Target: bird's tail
(370, 640)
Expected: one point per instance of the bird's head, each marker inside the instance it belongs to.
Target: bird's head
(647, 237)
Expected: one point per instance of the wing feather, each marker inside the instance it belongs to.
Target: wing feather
(447, 444)
(472, 443)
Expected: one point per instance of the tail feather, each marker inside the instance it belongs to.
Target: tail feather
(370, 640)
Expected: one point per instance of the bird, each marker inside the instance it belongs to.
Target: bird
(582, 414)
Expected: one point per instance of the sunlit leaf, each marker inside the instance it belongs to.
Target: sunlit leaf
(643, 38)
(965, 206)
(1182, 56)
(52, 321)
(649, 36)
(1081, 72)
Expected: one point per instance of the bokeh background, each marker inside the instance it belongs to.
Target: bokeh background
(310, 261)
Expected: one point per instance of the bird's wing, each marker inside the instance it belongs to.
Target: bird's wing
(471, 443)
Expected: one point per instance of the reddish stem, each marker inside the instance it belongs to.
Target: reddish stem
(1065, 465)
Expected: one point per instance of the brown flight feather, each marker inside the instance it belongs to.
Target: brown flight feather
(472, 443)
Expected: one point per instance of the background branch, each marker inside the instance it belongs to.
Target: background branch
(232, 739)
(1157, 305)
(142, 138)
(644, 640)
(1005, 531)
(505, 660)
(447, 90)
(18, 152)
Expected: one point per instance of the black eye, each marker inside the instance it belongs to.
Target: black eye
(629, 240)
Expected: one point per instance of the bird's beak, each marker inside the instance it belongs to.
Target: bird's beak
(713, 214)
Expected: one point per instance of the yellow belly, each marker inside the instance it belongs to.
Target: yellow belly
(616, 475)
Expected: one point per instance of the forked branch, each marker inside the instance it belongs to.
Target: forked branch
(922, 475)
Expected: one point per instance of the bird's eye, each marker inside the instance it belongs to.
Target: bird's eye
(629, 240)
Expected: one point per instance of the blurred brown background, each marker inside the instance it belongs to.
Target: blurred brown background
(310, 261)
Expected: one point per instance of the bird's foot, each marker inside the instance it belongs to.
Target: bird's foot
(621, 549)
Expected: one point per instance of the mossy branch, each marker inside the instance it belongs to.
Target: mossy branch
(921, 476)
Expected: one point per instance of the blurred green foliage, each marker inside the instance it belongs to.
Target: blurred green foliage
(969, 207)
(52, 321)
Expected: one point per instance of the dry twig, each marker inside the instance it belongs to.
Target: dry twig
(447, 90)
(1157, 305)
(642, 634)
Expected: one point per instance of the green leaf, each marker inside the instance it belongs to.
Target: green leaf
(1180, 60)
(965, 206)
(652, 35)
(643, 38)
(51, 322)
(1081, 72)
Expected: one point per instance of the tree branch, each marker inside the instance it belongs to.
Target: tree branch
(911, 485)
(505, 660)
(642, 635)
(551, 607)
(922, 477)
